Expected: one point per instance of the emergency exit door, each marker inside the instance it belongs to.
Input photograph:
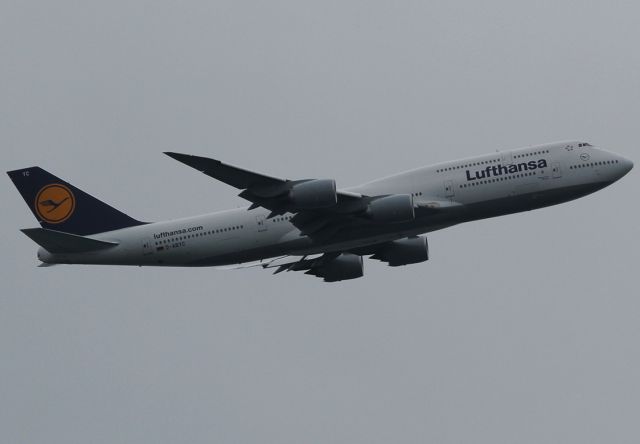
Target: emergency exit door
(448, 188)
(261, 222)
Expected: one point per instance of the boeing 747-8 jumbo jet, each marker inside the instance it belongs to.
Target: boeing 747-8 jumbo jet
(310, 225)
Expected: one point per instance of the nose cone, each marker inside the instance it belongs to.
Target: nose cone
(626, 165)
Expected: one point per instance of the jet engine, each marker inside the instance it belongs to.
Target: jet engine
(312, 194)
(404, 251)
(340, 268)
(394, 208)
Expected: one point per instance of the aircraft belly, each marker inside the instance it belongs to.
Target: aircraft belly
(250, 253)
(530, 198)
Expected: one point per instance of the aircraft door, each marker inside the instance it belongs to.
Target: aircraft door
(147, 246)
(448, 189)
(556, 170)
(506, 157)
(261, 222)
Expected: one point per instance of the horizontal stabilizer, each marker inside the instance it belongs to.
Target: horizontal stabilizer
(59, 242)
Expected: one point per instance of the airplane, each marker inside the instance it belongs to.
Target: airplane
(310, 225)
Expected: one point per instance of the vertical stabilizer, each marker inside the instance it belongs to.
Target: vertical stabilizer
(60, 206)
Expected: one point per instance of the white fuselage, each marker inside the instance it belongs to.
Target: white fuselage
(445, 194)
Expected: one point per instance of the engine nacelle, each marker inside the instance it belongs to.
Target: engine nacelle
(404, 251)
(394, 208)
(317, 193)
(341, 268)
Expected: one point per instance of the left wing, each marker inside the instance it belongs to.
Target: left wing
(320, 209)
(316, 203)
(231, 175)
(262, 190)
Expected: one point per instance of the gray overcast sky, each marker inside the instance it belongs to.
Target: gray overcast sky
(523, 329)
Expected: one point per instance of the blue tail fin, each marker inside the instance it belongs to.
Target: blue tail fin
(60, 206)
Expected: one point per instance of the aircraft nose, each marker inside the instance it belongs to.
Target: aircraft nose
(626, 165)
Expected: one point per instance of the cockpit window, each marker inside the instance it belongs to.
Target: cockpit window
(580, 145)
